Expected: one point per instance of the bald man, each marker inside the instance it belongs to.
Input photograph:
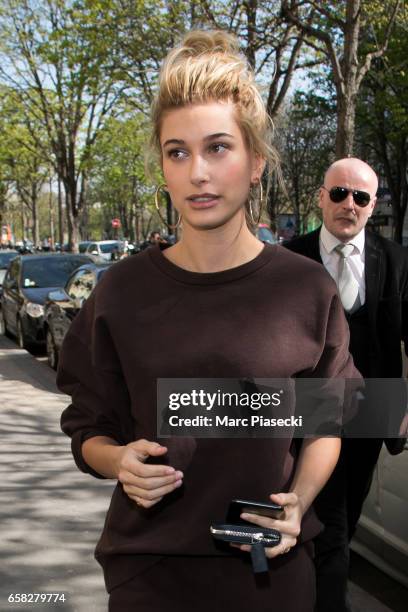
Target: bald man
(373, 286)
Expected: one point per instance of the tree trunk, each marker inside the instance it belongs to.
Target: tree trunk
(251, 8)
(73, 230)
(3, 192)
(398, 218)
(52, 224)
(82, 209)
(36, 226)
(36, 221)
(60, 215)
(399, 210)
(347, 90)
(69, 218)
(73, 211)
(23, 227)
(345, 126)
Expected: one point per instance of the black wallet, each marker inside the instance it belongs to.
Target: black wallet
(258, 537)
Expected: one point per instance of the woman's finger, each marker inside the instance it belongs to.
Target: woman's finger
(149, 483)
(130, 463)
(285, 546)
(154, 493)
(144, 503)
(290, 527)
(284, 499)
(262, 521)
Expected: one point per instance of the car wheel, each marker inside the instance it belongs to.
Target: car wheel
(52, 353)
(21, 340)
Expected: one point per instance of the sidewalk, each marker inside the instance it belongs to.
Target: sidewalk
(50, 514)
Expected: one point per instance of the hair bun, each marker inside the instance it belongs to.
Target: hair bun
(199, 42)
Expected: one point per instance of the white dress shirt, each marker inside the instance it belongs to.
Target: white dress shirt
(331, 259)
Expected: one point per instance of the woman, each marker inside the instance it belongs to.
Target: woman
(218, 304)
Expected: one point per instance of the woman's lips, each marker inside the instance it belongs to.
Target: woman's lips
(200, 202)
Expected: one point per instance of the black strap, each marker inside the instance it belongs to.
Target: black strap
(258, 557)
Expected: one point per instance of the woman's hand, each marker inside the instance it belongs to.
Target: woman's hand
(145, 484)
(288, 525)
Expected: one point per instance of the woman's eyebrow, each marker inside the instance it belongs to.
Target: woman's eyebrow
(178, 141)
(173, 141)
(218, 135)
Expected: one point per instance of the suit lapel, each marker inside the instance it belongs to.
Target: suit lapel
(314, 246)
(373, 277)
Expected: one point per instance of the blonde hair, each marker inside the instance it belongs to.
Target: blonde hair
(208, 66)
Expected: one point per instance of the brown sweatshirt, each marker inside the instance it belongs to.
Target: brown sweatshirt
(277, 316)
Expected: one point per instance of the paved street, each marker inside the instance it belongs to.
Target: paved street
(50, 513)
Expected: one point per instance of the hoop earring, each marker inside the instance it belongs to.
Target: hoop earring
(156, 203)
(251, 213)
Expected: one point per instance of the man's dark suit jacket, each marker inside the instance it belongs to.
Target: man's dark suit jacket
(386, 278)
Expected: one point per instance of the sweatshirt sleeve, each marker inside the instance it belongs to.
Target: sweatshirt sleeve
(335, 360)
(338, 380)
(89, 371)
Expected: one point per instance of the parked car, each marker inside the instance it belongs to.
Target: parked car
(5, 258)
(382, 533)
(265, 234)
(109, 250)
(82, 246)
(28, 281)
(63, 304)
(25, 247)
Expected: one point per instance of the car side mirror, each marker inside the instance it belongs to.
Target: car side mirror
(57, 296)
(79, 302)
(94, 253)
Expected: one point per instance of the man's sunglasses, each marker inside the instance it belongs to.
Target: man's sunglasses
(338, 194)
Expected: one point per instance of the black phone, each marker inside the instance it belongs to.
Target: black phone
(238, 506)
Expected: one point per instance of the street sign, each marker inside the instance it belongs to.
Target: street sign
(116, 223)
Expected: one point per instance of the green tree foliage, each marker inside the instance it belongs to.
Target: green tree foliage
(145, 31)
(28, 168)
(271, 44)
(344, 35)
(382, 121)
(5, 177)
(117, 177)
(84, 73)
(306, 146)
(61, 60)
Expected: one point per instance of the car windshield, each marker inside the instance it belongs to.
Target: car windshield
(5, 258)
(108, 248)
(2, 275)
(50, 272)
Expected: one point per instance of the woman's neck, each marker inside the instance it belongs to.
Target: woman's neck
(214, 250)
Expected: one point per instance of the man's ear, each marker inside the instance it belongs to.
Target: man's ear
(374, 202)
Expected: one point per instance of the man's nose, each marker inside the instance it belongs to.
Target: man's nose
(199, 172)
(348, 203)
